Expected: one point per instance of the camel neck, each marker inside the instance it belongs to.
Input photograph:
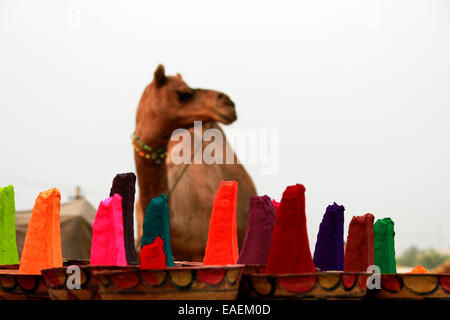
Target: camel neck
(152, 175)
(151, 139)
(152, 179)
(154, 155)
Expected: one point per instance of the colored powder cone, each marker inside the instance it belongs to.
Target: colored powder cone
(276, 204)
(156, 224)
(152, 255)
(261, 220)
(359, 247)
(124, 185)
(107, 244)
(419, 269)
(42, 247)
(8, 247)
(289, 249)
(384, 249)
(329, 251)
(222, 246)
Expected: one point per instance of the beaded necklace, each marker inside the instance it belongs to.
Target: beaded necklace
(155, 155)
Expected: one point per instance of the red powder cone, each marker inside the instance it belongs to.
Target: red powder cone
(42, 247)
(359, 247)
(222, 246)
(289, 249)
(276, 204)
(152, 255)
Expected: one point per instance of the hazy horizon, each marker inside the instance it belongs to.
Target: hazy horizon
(359, 90)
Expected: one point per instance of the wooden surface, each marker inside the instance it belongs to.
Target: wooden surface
(177, 283)
(196, 282)
(319, 285)
(413, 286)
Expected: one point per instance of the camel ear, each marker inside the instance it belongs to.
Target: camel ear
(160, 76)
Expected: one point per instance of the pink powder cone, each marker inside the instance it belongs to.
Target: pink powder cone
(108, 246)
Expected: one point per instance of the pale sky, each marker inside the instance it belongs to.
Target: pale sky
(359, 90)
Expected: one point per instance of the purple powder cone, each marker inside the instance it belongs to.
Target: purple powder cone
(261, 220)
(124, 185)
(329, 252)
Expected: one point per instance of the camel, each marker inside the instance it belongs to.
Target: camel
(167, 104)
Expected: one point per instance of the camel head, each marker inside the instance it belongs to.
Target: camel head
(176, 105)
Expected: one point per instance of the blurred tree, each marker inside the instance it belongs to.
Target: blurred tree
(409, 257)
(429, 258)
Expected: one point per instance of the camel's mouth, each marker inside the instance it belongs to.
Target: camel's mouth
(225, 118)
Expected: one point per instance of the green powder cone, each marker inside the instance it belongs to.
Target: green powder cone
(384, 249)
(8, 247)
(156, 224)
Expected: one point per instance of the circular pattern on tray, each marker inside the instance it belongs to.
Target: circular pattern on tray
(192, 282)
(320, 285)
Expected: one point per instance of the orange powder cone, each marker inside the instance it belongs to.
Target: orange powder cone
(222, 246)
(419, 269)
(42, 247)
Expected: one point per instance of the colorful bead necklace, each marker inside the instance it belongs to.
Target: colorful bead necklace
(155, 155)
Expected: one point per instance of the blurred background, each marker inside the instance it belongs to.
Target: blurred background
(359, 90)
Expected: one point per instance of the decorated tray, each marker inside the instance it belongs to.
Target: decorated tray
(413, 286)
(319, 285)
(187, 283)
(254, 268)
(57, 282)
(14, 286)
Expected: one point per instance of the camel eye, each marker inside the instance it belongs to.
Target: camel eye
(184, 95)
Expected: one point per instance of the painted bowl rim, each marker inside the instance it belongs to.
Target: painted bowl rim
(135, 269)
(429, 274)
(309, 274)
(15, 273)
